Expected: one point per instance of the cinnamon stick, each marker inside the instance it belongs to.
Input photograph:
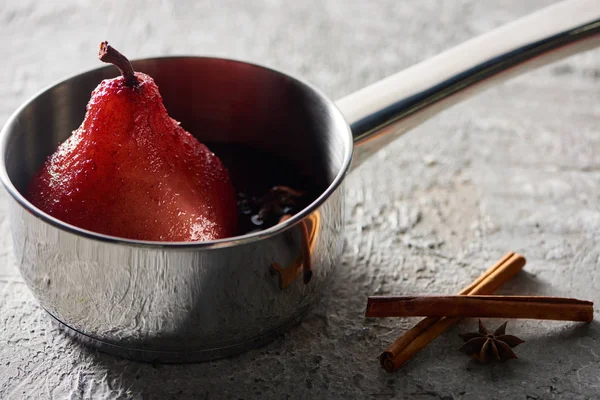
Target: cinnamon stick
(418, 337)
(526, 307)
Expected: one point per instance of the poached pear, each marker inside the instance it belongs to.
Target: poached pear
(132, 171)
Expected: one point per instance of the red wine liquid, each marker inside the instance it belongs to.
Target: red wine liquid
(254, 174)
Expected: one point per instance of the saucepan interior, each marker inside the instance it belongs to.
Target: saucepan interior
(220, 101)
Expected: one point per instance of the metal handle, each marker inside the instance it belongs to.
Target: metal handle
(380, 113)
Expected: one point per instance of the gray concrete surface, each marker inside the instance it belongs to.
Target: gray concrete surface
(517, 168)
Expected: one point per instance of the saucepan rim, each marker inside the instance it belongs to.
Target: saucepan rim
(212, 244)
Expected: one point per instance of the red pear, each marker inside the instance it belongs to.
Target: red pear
(132, 171)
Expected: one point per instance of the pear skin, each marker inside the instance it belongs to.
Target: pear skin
(132, 171)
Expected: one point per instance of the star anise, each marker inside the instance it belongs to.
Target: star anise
(278, 201)
(484, 346)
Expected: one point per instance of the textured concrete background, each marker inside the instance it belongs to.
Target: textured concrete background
(516, 168)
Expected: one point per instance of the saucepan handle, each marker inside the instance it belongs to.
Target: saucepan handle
(380, 113)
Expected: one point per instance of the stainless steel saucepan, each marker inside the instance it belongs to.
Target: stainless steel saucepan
(178, 302)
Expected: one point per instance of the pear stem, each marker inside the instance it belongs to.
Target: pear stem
(109, 54)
